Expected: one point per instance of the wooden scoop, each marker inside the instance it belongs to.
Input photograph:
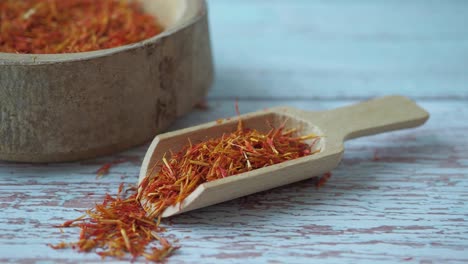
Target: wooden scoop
(367, 118)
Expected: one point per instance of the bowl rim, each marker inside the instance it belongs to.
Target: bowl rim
(40, 59)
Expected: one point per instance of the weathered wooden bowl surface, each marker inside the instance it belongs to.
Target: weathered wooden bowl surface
(64, 107)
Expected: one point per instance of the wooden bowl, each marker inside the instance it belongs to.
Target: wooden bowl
(65, 107)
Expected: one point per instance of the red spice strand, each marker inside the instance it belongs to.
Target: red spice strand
(321, 182)
(376, 156)
(57, 26)
(104, 169)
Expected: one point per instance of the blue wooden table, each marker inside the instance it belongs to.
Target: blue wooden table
(397, 197)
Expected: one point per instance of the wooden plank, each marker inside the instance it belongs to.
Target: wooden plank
(395, 197)
(340, 49)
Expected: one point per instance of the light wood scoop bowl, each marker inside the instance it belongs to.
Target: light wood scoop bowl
(335, 126)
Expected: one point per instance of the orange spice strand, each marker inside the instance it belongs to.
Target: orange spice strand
(57, 26)
(376, 156)
(117, 227)
(104, 169)
(321, 182)
(60, 245)
(173, 179)
(159, 254)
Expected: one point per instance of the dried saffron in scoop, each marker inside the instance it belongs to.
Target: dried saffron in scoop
(120, 225)
(173, 178)
(68, 26)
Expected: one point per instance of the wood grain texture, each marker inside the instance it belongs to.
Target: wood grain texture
(397, 197)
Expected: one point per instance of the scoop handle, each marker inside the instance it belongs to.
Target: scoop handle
(371, 117)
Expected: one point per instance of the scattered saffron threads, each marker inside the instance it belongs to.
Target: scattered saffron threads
(60, 245)
(177, 175)
(376, 156)
(104, 169)
(116, 227)
(120, 226)
(58, 26)
(159, 254)
(321, 182)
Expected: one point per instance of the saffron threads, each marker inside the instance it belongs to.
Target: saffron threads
(120, 226)
(104, 169)
(60, 245)
(58, 26)
(321, 182)
(159, 254)
(177, 175)
(116, 227)
(376, 156)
